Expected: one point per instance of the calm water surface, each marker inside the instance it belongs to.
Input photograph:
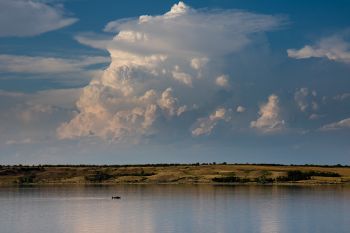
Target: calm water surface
(175, 208)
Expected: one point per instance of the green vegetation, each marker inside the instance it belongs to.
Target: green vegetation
(227, 179)
(98, 177)
(102, 176)
(141, 173)
(29, 179)
(297, 175)
(294, 175)
(12, 170)
(264, 178)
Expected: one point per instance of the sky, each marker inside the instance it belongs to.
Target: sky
(111, 82)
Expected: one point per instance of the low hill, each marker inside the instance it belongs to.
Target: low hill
(175, 173)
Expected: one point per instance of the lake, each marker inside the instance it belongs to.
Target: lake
(175, 208)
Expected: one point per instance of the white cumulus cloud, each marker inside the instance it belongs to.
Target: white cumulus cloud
(161, 75)
(222, 81)
(270, 120)
(240, 109)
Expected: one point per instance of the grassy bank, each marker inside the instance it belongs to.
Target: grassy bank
(175, 173)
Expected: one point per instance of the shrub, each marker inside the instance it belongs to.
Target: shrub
(26, 179)
(263, 180)
(232, 178)
(296, 175)
(98, 177)
(141, 173)
(227, 179)
(324, 174)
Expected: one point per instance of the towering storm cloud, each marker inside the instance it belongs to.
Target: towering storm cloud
(165, 75)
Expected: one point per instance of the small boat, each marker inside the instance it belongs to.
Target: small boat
(116, 197)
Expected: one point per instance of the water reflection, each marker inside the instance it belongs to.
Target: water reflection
(175, 208)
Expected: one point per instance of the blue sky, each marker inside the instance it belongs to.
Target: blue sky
(87, 81)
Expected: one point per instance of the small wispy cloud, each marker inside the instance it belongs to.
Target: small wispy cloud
(339, 125)
(306, 99)
(334, 48)
(29, 18)
(240, 109)
(19, 142)
(47, 65)
(342, 97)
(223, 81)
(204, 126)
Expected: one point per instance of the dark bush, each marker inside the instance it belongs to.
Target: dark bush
(30, 169)
(227, 179)
(244, 180)
(8, 172)
(325, 174)
(299, 175)
(232, 178)
(26, 179)
(136, 174)
(263, 180)
(98, 177)
(141, 173)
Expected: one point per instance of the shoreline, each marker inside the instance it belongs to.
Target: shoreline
(176, 184)
(213, 174)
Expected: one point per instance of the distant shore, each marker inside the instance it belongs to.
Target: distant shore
(176, 174)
